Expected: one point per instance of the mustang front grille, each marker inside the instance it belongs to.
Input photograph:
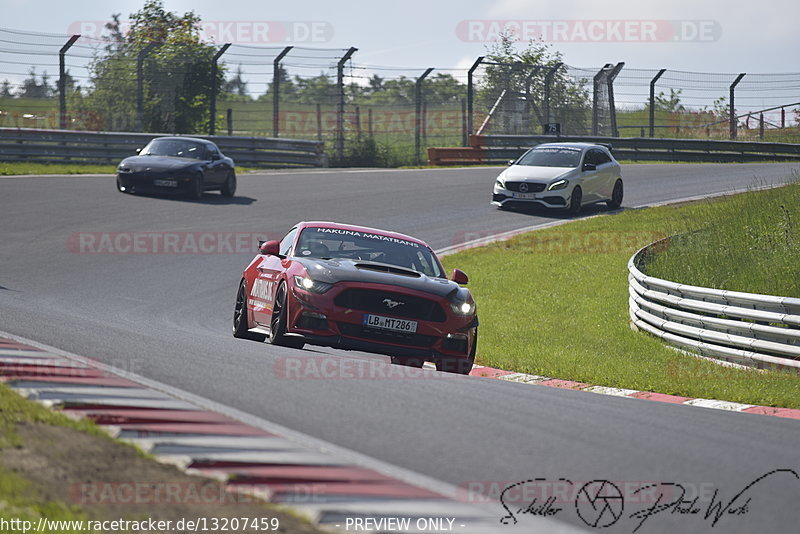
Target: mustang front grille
(390, 303)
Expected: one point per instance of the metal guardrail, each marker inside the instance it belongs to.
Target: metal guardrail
(746, 328)
(494, 149)
(66, 146)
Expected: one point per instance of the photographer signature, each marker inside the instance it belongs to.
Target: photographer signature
(600, 503)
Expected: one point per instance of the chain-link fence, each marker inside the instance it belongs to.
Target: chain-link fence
(368, 114)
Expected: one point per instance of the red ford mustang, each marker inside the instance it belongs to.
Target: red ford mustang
(361, 289)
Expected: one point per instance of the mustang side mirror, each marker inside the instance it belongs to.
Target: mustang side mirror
(459, 277)
(589, 167)
(269, 248)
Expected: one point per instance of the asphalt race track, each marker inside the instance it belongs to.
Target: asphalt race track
(167, 316)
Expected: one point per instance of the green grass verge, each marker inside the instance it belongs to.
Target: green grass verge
(753, 246)
(554, 302)
(19, 500)
(15, 168)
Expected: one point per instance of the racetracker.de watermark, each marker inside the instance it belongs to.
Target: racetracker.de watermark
(590, 31)
(333, 368)
(566, 242)
(166, 242)
(159, 493)
(248, 32)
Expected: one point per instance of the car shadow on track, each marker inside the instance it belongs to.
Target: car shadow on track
(541, 211)
(207, 198)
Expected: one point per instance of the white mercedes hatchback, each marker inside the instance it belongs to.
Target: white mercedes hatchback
(562, 176)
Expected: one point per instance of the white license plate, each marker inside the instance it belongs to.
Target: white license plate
(166, 183)
(388, 323)
(525, 195)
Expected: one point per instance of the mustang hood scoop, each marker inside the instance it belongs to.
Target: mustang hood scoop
(340, 270)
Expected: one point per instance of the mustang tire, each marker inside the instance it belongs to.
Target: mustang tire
(277, 324)
(240, 317)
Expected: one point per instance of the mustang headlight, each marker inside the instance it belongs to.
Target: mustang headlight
(558, 184)
(314, 286)
(463, 308)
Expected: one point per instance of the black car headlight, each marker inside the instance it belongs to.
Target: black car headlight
(124, 170)
(314, 286)
(558, 184)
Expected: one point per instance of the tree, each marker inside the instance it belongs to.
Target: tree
(5, 90)
(667, 104)
(317, 90)
(35, 87)
(288, 91)
(176, 74)
(569, 98)
(235, 86)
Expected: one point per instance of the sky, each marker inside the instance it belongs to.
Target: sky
(691, 35)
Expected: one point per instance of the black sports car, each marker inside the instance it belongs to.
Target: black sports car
(178, 164)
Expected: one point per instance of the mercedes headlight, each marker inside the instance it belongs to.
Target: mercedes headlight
(558, 184)
(500, 182)
(314, 286)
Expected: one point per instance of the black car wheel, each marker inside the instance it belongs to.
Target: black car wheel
(229, 187)
(575, 201)
(461, 366)
(196, 188)
(616, 196)
(277, 325)
(408, 362)
(240, 325)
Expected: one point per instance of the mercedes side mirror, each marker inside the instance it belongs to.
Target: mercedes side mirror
(589, 167)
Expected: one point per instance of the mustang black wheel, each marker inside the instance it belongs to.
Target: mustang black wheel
(240, 317)
(229, 187)
(616, 196)
(575, 201)
(461, 366)
(277, 325)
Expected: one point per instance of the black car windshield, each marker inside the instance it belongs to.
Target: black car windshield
(338, 243)
(552, 156)
(179, 148)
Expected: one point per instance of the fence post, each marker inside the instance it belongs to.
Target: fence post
(471, 93)
(62, 82)
(597, 80)
(319, 122)
(548, 86)
(611, 105)
(761, 125)
(369, 122)
(212, 122)
(340, 104)
(229, 116)
(140, 85)
(276, 90)
(358, 122)
(463, 122)
(532, 107)
(732, 112)
(417, 112)
(653, 101)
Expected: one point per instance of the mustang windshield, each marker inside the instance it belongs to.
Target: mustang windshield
(178, 148)
(552, 157)
(337, 243)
